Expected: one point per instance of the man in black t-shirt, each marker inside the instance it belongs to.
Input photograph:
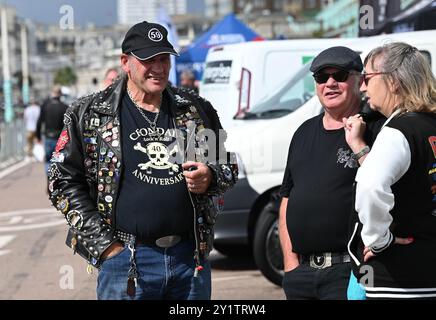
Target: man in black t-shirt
(317, 185)
(135, 174)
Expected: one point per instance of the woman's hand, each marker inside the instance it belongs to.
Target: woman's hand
(354, 130)
(368, 254)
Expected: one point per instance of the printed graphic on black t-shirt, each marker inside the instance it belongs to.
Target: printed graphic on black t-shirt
(318, 183)
(154, 200)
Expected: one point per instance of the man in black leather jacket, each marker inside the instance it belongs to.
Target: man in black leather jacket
(134, 173)
(50, 123)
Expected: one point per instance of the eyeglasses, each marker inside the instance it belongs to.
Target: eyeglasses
(339, 76)
(366, 79)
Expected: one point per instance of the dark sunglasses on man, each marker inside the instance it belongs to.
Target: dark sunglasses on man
(340, 76)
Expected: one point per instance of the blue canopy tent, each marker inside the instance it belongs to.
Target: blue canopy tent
(228, 30)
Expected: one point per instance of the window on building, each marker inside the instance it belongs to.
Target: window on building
(278, 5)
(325, 3)
(311, 4)
(259, 4)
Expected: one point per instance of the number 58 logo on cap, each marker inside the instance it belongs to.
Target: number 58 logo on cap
(155, 35)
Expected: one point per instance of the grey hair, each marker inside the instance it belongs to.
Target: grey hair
(410, 72)
(356, 84)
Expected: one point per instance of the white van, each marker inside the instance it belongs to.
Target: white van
(261, 142)
(237, 76)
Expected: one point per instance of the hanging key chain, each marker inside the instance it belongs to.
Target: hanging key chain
(132, 276)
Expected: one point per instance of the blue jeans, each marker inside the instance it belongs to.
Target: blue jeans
(164, 274)
(49, 146)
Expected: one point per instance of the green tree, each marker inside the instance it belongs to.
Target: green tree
(65, 76)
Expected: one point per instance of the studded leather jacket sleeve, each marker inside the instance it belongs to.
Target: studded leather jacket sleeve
(72, 192)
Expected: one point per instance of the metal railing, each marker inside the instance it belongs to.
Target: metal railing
(12, 142)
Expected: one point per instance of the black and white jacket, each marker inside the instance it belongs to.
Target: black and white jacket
(395, 196)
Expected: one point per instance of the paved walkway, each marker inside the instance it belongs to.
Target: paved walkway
(35, 263)
(32, 255)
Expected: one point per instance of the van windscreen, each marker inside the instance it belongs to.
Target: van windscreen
(290, 96)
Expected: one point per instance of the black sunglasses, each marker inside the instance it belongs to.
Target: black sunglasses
(339, 76)
(366, 79)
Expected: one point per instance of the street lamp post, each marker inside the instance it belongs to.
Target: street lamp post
(7, 87)
(24, 64)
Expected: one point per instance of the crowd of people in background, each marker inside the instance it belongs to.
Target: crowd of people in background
(43, 120)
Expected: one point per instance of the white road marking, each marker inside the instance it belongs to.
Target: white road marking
(27, 211)
(232, 278)
(49, 215)
(13, 168)
(14, 220)
(4, 240)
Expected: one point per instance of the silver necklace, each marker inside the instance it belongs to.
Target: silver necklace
(151, 123)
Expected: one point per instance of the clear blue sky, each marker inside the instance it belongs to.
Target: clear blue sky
(99, 12)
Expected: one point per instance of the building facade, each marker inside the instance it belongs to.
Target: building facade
(134, 11)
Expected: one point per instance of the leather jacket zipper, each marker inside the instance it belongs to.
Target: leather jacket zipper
(197, 252)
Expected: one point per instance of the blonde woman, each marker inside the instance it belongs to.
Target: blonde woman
(396, 183)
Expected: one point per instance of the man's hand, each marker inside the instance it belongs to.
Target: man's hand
(112, 250)
(291, 262)
(197, 180)
(290, 259)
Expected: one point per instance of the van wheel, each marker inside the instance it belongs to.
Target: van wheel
(266, 246)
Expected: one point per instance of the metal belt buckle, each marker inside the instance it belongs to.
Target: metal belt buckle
(168, 241)
(321, 261)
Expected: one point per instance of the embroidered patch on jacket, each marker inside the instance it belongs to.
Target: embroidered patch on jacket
(62, 204)
(432, 141)
(180, 99)
(53, 172)
(62, 141)
(67, 119)
(57, 157)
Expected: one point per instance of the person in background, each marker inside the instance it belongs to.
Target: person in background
(395, 199)
(187, 80)
(51, 122)
(30, 116)
(109, 77)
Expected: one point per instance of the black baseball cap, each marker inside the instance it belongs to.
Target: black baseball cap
(145, 40)
(338, 57)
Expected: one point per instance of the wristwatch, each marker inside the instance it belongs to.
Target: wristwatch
(362, 152)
